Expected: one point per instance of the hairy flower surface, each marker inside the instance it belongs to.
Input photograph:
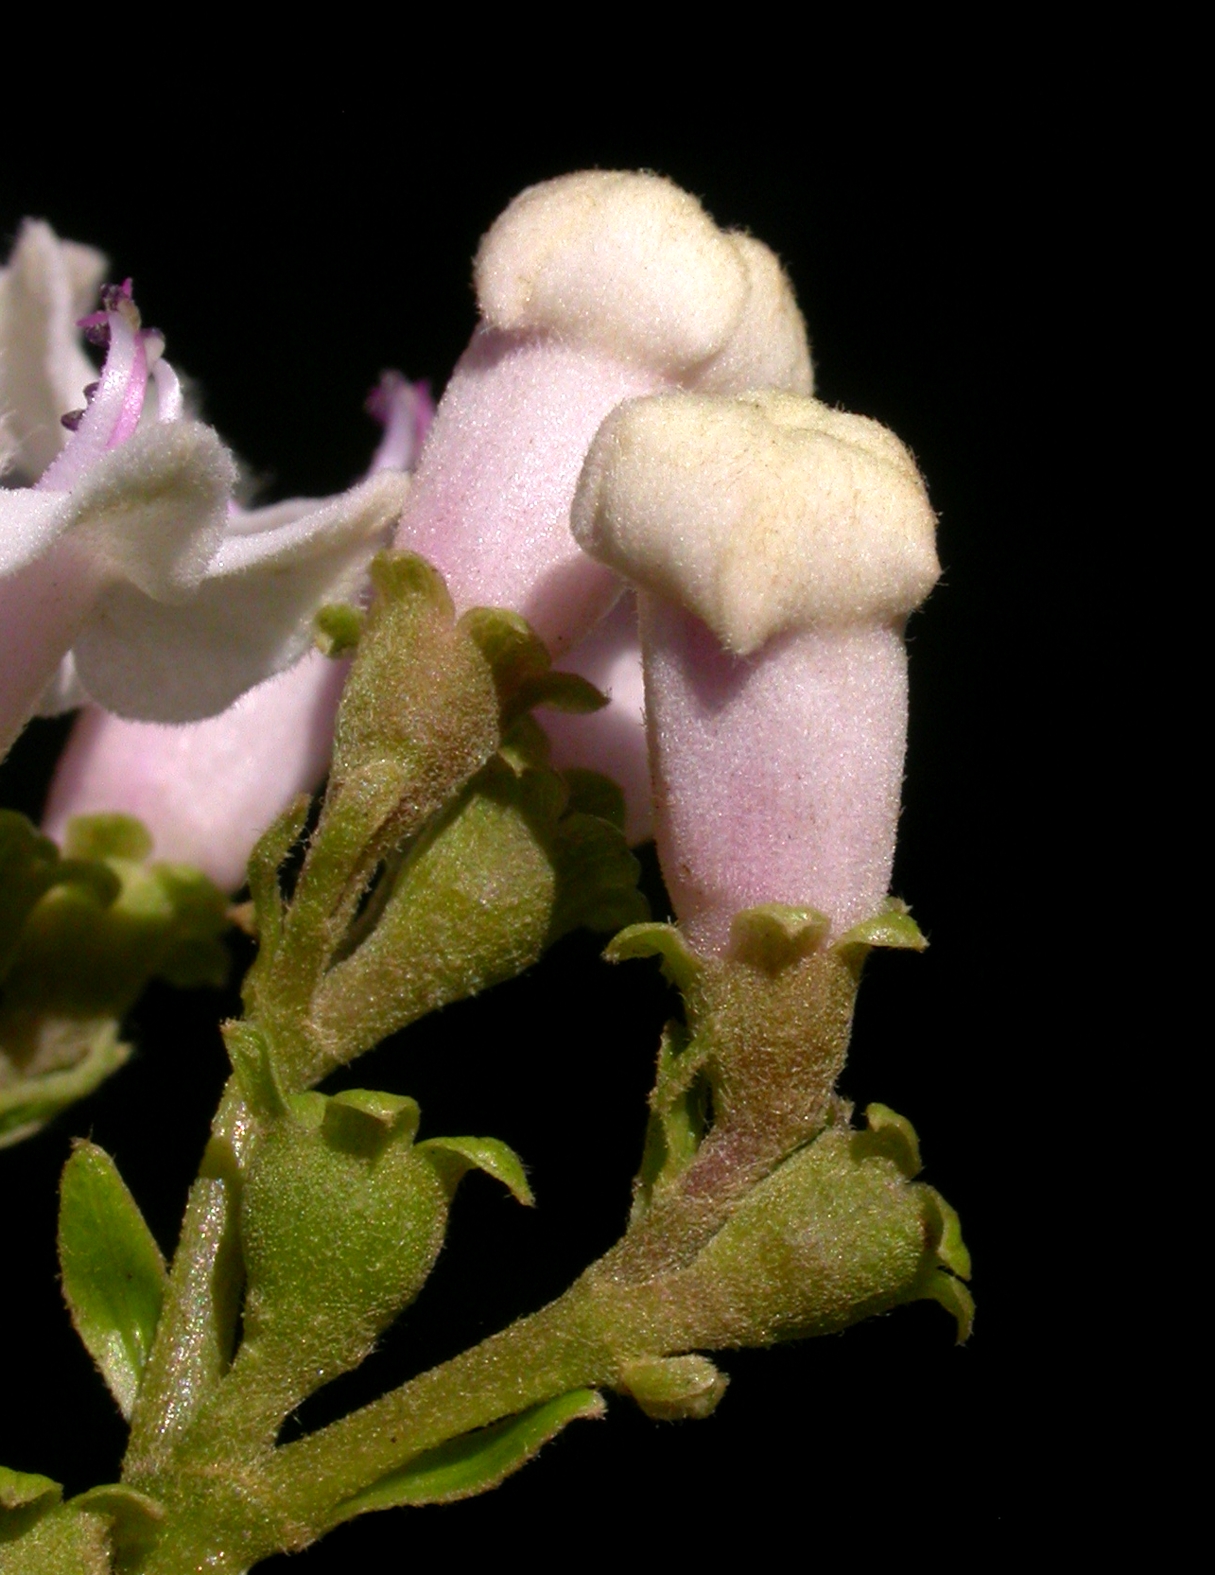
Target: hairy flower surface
(47, 285)
(778, 547)
(127, 574)
(593, 289)
(207, 790)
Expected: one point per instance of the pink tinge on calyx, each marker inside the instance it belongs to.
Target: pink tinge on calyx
(114, 411)
(490, 507)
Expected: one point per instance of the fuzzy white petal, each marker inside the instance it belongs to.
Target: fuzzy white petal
(144, 659)
(46, 286)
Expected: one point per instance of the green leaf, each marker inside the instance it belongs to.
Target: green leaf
(455, 1157)
(679, 963)
(27, 1103)
(477, 1461)
(113, 1273)
(675, 1388)
(774, 936)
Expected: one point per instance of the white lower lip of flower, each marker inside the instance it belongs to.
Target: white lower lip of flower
(43, 607)
(777, 776)
(490, 506)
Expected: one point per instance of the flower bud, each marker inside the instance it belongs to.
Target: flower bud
(341, 1221)
(593, 288)
(778, 547)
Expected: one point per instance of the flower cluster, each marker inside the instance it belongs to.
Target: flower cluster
(635, 410)
(627, 474)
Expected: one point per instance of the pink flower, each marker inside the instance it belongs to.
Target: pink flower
(593, 289)
(778, 547)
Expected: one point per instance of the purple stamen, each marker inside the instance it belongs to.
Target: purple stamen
(96, 327)
(116, 399)
(114, 298)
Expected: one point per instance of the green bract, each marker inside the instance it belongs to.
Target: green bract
(81, 934)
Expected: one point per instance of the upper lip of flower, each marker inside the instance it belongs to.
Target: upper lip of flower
(761, 513)
(633, 265)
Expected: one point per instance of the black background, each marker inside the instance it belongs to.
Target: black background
(290, 252)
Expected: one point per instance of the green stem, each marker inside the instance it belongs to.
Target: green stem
(582, 1340)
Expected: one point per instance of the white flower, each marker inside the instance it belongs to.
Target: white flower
(207, 790)
(46, 286)
(128, 556)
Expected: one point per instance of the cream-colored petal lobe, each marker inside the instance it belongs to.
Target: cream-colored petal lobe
(625, 261)
(761, 514)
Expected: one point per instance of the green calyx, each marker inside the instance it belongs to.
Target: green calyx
(342, 1216)
(340, 1224)
(764, 1039)
(757, 1209)
(835, 1234)
(447, 855)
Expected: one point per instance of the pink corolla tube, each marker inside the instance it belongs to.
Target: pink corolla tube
(778, 547)
(206, 791)
(614, 739)
(593, 289)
